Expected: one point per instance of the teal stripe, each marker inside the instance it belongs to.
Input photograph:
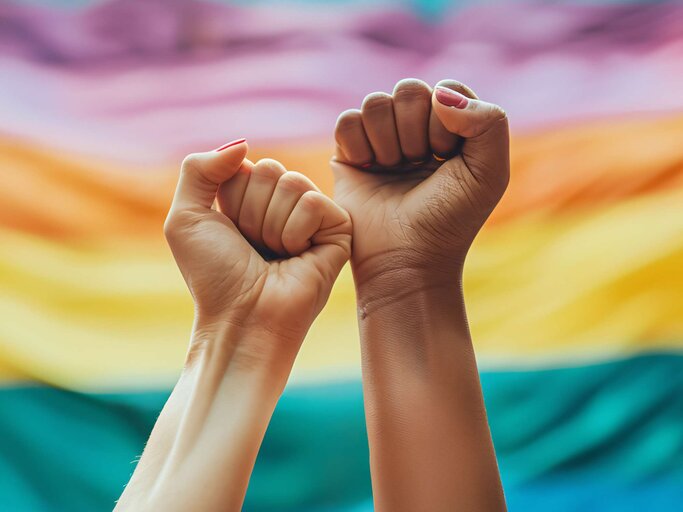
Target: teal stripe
(601, 437)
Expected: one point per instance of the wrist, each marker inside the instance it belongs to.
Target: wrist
(405, 313)
(400, 277)
(227, 344)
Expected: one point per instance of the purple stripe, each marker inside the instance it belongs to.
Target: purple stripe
(152, 80)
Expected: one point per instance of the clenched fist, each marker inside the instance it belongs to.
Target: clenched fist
(419, 170)
(267, 257)
(260, 267)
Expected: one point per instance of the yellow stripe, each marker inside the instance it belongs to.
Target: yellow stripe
(97, 317)
(540, 290)
(580, 286)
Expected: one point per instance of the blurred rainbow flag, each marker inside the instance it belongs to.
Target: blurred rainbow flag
(575, 287)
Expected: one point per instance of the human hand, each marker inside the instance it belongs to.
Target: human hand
(414, 217)
(260, 268)
(264, 260)
(411, 209)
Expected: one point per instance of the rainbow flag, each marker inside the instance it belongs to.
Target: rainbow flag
(574, 288)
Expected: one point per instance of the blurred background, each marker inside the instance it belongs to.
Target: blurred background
(574, 288)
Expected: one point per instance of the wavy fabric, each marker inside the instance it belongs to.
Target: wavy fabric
(574, 287)
(550, 456)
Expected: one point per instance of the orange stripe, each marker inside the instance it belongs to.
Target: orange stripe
(590, 164)
(74, 198)
(65, 197)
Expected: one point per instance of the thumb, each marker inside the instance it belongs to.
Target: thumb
(483, 125)
(202, 173)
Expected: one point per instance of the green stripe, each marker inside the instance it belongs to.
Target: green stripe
(610, 431)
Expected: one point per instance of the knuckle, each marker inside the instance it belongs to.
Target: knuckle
(191, 162)
(178, 222)
(268, 168)
(411, 89)
(376, 102)
(294, 182)
(348, 120)
(311, 200)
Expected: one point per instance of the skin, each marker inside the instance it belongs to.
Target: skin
(260, 268)
(415, 216)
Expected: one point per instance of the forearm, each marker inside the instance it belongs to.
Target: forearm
(430, 445)
(205, 442)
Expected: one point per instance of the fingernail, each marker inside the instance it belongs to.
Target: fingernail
(451, 98)
(231, 144)
(366, 166)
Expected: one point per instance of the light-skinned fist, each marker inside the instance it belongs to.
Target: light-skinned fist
(266, 257)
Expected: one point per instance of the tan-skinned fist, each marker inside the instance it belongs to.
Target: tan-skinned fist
(419, 171)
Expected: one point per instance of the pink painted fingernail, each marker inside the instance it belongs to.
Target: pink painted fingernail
(231, 144)
(451, 98)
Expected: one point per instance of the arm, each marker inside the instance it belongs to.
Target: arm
(415, 217)
(204, 445)
(252, 312)
(430, 446)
